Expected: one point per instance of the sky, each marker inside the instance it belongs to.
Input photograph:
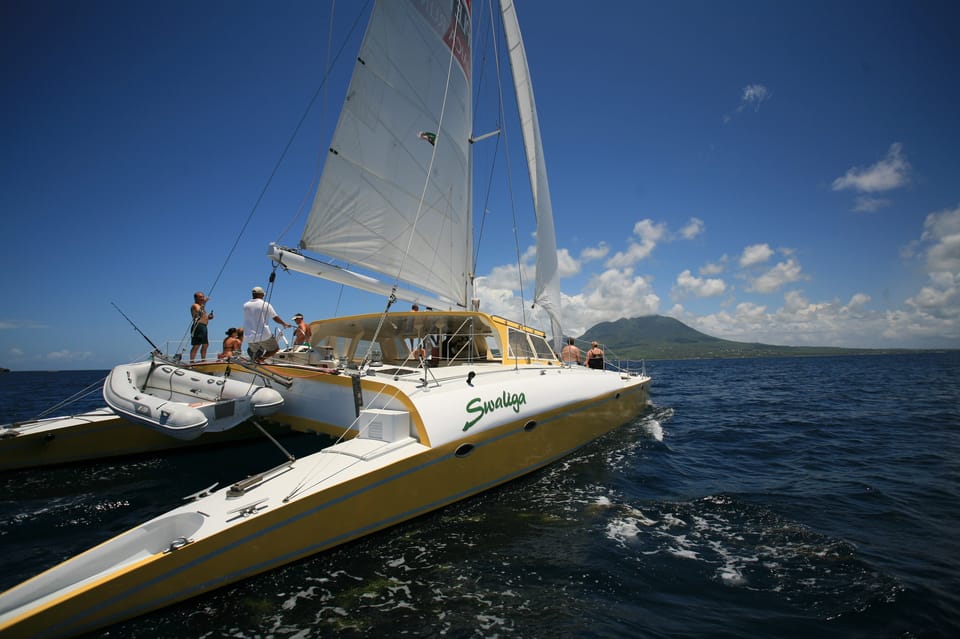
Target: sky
(779, 172)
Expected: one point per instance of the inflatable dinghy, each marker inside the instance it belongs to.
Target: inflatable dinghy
(183, 403)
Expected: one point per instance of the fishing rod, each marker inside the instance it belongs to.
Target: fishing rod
(156, 349)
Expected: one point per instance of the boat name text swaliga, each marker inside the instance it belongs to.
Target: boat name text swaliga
(507, 400)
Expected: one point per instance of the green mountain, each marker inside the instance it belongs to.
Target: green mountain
(659, 337)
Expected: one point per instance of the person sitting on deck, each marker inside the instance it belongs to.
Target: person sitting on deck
(595, 356)
(571, 354)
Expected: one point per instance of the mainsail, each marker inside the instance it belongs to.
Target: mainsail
(395, 197)
(403, 120)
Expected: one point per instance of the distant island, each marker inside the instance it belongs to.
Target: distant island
(659, 337)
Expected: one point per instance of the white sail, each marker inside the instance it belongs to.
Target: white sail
(547, 290)
(407, 114)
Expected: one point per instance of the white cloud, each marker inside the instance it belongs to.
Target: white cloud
(609, 296)
(505, 277)
(20, 323)
(781, 274)
(753, 95)
(942, 229)
(567, 265)
(889, 173)
(867, 204)
(755, 254)
(649, 234)
(928, 318)
(940, 245)
(687, 283)
(693, 228)
(66, 356)
(715, 268)
(593, 253)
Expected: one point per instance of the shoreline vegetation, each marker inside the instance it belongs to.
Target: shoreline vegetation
(655, 337)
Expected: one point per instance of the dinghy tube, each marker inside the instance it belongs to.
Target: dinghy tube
(184, 403)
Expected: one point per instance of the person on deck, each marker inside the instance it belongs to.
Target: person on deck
(198, 327)
(256, 315)
(571, 354)
(233, 344)
(595, 356)
(302, 333)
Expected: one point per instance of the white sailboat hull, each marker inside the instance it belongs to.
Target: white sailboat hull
(344, 492)
(98, 435)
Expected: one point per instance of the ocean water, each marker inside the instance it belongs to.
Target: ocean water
(791, 497)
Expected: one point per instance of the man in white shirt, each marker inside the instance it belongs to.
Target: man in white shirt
(261, 343)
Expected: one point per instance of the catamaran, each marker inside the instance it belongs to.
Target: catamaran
(435, 405)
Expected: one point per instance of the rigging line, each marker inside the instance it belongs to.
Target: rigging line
(310, 476)
(423, 196)
(513, 203)
(321, 152)
(496, 149)
(433, 156)
(181, 347)
(89, 390)
(486, 201)
(286, 149)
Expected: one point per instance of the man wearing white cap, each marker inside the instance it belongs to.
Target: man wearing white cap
(302, 333)
(261, 343)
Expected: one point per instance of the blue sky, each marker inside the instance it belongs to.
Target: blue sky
(782, 172)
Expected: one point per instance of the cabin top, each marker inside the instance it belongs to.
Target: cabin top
(446, 337)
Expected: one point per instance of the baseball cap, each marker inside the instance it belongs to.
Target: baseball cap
(257, 289)
(297, 316)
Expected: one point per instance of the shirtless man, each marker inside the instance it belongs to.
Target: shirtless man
(570, 353)
(198, 329)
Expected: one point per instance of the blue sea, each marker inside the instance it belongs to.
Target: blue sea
(788, 497)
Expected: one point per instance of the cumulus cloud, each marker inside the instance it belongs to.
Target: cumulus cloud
(693, 228)
(778, 276)
(687, 283)
(942, 231)
(940, 246)
(608, 296)
(755, 254)
(594, 253)
(889, 173)
(648, 234)
(714, 268)
(567, 265)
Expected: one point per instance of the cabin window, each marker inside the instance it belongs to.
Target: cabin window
(493, 347)
(520, 347)
(364, 347)
(541, 347)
